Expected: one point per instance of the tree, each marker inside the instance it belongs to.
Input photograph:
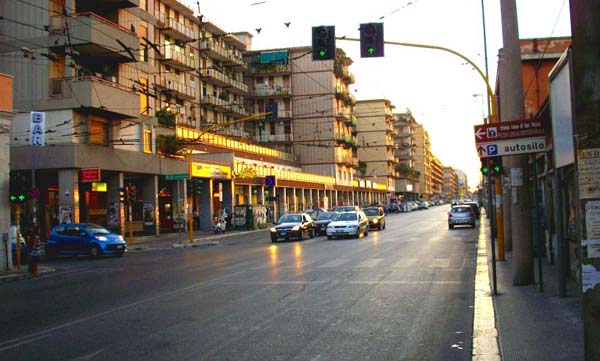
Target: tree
(169, 145)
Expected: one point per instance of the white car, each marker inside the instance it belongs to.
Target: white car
(348, 224)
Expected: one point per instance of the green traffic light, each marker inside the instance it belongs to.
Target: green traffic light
(322, 53)
(12, 198)
(485, 170)
(371, 50)
(21, 197)
(497, 169)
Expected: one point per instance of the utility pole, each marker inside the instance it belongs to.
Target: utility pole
(518, 167)
(585, 29)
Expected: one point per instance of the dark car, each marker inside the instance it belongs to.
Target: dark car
(394, 208)
(322, 222)
(475, 207)
(84, 238)
(294, 225)
(461, 215)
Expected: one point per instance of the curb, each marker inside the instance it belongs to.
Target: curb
(207, 241)
(485, 334)
(19, 275)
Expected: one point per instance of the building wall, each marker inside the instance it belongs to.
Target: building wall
(6, 118)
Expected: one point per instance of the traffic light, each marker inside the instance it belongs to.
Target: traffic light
(17, 197)
(485, 169)
(497, 169)
(492, 166)
(121, 195)
(371, 40)
(323, 42)
(131, 193)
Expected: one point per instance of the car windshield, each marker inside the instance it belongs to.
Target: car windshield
(349, 216)
(372, 211)
(290, 218)
(96, 229)
(461, 209)
(326, 216)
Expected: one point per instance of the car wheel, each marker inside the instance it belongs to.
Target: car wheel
(383, 225)
(366, 231)
(450, 226)
(473, 225)
(120, 254)
(274, 239)
(312, 233)
(379, 227)
(95, 251)
(51, 252)
(329, 237)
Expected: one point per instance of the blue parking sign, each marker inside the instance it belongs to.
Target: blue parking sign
(492, 149)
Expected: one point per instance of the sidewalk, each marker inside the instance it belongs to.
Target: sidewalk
(533, 325)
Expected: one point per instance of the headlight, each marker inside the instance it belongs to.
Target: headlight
(375, 220)
(120, 238)
(296, 228)
(273, 230)
(102, 238)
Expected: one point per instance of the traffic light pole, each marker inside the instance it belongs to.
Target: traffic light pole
(494, 119)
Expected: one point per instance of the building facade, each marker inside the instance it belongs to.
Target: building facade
(405, 152)
(423, 160)
(6, 119)
(450, 187)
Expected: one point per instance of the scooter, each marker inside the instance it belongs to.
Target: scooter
(219, 224)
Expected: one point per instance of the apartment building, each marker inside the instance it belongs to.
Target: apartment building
(450, 187)
(463, 183)
(404, 150)
(423, 160)
(437, 177)
(375, 132)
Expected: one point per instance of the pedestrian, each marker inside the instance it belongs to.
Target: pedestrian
(33, 250)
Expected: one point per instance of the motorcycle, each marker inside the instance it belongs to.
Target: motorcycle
(220, 224)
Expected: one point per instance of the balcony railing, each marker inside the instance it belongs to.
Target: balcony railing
(266, 91)
(215, 49)
(221, 104)
(237, 109)
(238, 85)
(268, 138)
(104, 95)
(270, 68)
(214, 76)
(174, 28)
(181, 90)
(179, 60)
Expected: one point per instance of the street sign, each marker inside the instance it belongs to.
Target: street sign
(35, 193)
(270, 181)
(510, 138)
(511, 147)
(37, 128)
(89, 175)
(177, 176)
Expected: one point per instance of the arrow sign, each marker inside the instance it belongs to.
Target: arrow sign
(480, 151)
(479, 133)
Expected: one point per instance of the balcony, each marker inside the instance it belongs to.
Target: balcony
(178, 59)
(214, 76)
(343, 72)
(237, 110)
(174, 29)
(284, 114)
(92, 36)
(270, 69)
(351, 121)
(215, 50)
(174, 87)
(236, 60)
(232, 132)
(274, 138)
(343, 114)
(96, 94)
(267, 91)
(218, 104)
(237, 87)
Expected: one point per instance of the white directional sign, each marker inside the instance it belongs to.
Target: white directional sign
(511, 147)
(37, 128)
(510, 138)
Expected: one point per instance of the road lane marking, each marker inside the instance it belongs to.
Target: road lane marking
(370, 263)
(405, 263)
(440, 263)
(33, 339)
(89, 356)
(334, 263)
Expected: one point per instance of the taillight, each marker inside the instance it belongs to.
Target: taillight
(471, 214)
(449, 215)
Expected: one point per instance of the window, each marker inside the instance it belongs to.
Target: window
(98, 130)
(147, 140)
(143, 32)
(144, 96)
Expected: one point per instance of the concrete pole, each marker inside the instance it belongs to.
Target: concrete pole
(518, 168)
(585, 29)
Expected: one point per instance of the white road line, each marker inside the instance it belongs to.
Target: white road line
(24, 342)
(405, 263)
(440, 263)
(89, 356)
(334, 263)
(370, 263)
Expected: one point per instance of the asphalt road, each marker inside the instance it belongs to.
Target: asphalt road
(405, 293)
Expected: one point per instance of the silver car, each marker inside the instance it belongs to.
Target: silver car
(348, 224)
(461, 215)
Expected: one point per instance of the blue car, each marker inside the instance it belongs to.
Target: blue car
(84, 238)
(13, 247)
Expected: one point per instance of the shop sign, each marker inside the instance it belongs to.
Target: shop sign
(89, 175)
(203, 170)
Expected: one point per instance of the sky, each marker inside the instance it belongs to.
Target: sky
(443, 93)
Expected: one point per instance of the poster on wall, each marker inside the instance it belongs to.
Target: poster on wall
(260, 214)
(65, 214)
(113, 216)
(148, 214)
(239, 215)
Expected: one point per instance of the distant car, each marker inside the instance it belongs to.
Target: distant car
(348, 224)
(314, 213)
(84, 238)
(461, 215)
(346, 209)
(321, 223)
(376, 217)
(394, 208)
(293, 225)
(422, 205)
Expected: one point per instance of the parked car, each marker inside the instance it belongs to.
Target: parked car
(84, 238)
(345, 209)
(293, 225)
(475, 207)
(314, 213)
(422, 205)
(321, 223)
(376, 217)
(394, 208)
(461, 215)
(348, 224)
